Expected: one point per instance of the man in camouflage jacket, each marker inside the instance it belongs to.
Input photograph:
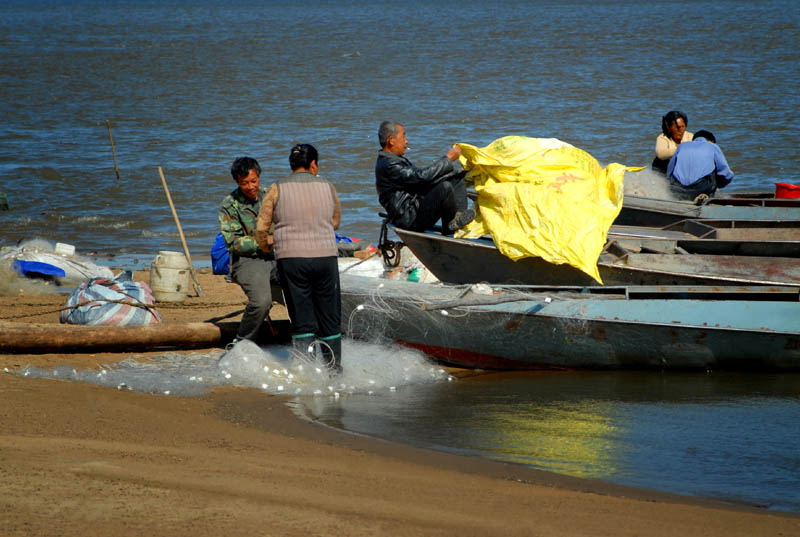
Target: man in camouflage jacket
(251, 267)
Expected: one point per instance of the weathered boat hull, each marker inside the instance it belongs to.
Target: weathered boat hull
(702, 237)
(642, 211)
(554, 329)
(472, 261)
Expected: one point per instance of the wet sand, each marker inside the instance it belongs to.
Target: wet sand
(78, 459)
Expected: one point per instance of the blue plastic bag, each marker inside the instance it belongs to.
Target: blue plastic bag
(220, 256)
(342, 238)
(37, 268)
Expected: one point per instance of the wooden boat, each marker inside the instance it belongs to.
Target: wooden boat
(763, 199)
(710, 237)
(478, 260)
(643, 211)
(535, 327)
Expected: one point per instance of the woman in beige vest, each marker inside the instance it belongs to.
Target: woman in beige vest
(305, 211)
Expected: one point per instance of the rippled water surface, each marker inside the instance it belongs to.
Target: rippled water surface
(188, 86)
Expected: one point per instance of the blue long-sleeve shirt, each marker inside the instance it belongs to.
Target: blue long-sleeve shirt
(696, 159)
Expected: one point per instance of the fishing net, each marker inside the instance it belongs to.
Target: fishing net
(456, 324)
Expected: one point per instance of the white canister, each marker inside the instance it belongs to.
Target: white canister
(169, 277)
(67, 250)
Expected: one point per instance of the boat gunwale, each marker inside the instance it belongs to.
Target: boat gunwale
(619, 262)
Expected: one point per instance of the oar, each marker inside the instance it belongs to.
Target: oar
(197, 288)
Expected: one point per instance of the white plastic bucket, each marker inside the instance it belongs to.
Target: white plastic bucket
(169, 277)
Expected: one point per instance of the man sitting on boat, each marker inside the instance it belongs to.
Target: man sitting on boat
(698, 168)
(251, 267)
(416, 198)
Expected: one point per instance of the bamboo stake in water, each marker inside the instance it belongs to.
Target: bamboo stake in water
(197, 288)
(114, 151)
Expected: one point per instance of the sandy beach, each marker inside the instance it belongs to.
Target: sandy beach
(78, 459)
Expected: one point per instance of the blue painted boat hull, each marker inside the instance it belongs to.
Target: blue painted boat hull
(549, 329)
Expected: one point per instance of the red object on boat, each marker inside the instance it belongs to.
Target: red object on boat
(785, 190)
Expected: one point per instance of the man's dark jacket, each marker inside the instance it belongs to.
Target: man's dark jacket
(400, 184)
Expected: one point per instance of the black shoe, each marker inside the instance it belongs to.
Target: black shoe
(461, 219)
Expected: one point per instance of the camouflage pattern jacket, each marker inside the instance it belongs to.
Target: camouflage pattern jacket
(237, 222)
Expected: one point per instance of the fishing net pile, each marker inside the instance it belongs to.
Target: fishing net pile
(444, 317)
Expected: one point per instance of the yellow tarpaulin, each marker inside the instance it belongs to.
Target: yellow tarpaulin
(541, 197)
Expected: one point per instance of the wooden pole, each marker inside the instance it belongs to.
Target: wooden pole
(197, 288)
(113, 151)
(38, 338)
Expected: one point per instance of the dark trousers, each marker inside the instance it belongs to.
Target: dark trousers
(660, 165)
(441, 202)
(705, 185)
(313, 298)
(253, 276)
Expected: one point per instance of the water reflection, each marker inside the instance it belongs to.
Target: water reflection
(725, 435)
(577, 439)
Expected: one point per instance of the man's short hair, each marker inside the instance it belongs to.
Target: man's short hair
(302, 155)
(387, 128)
(705, 134)
(241, 167)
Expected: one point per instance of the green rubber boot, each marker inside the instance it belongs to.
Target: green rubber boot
(303, 344)
(332, 354)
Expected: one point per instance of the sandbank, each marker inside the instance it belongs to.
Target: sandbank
(79, 459)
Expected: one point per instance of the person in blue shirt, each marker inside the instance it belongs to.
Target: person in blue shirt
(698, 168)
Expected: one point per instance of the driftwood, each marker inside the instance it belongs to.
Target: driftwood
(41, 338)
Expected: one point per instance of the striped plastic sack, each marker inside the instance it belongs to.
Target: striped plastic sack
(117, 302)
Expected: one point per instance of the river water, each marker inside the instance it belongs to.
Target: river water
(190, 85)
(728, 436)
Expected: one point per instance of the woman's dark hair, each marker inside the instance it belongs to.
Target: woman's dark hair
(705, 134)
(670, 118)
(241, 167)
(302, 155)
